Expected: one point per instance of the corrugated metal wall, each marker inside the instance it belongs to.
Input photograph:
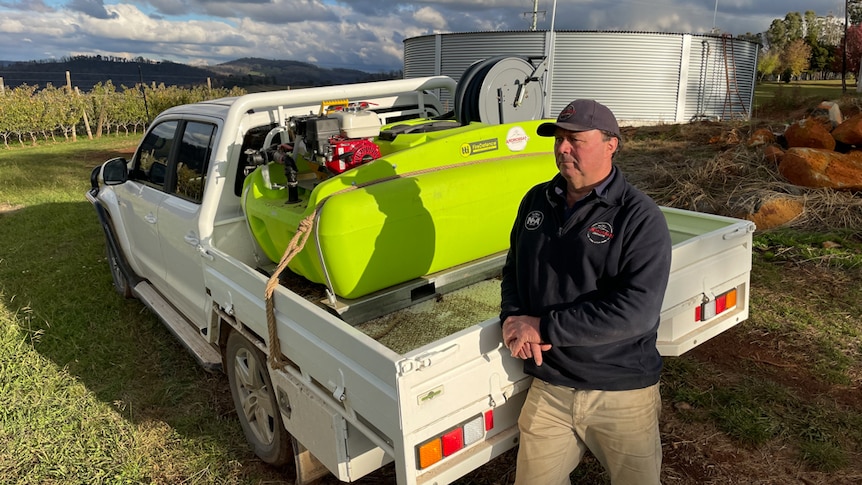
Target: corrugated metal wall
(643, 77)
(710, 85)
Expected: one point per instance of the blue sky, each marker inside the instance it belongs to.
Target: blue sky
(359, 34)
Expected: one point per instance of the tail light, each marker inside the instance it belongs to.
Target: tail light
(455, 439)
(720, 304)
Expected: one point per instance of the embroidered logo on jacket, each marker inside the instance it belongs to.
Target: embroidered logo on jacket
(600, 232)
(534, 220)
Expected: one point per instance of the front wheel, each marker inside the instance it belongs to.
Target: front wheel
(254, 400)
(121, 281)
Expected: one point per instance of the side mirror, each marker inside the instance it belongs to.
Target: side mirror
(115, 171)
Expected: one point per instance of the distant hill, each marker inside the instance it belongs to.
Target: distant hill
(292, 73)
(251, 73)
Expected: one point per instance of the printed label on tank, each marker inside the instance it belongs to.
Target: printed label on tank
(476, 147)
(517, 139)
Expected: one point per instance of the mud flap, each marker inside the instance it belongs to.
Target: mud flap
(308, 468)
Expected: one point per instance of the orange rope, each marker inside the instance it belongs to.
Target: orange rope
(296, 244)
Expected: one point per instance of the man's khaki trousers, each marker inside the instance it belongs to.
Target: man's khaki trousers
(620, 428)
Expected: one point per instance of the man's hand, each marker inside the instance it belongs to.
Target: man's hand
(522, 338)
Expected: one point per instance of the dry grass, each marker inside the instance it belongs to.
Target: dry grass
(709, 167)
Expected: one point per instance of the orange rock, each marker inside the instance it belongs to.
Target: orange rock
(761, 136)
(812, 167)
(773, 153)
(727, 138)
(830, 114)
(809, 133)
(776, 212)
(850, 131)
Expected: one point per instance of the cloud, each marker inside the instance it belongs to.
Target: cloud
(170, 8)
(361, 34)
(278, 12)
(27, 5)
(430, 17)
(93, 8)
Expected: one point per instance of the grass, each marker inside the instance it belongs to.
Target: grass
(795, 381)
(53, 426)
(826, 89)
(778, 97)
(839, 249)
(95, 390)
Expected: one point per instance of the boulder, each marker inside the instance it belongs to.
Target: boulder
(830, 114)
(773, 153)
(761, 136)
(775, 212)
(726, 138)
(812, 167)
(850, 131)
(809, 133)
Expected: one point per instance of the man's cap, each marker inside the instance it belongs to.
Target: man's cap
(582, 115)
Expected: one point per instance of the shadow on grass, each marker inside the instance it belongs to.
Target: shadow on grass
(54, 276)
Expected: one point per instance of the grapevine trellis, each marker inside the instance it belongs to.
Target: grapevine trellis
(28, 113)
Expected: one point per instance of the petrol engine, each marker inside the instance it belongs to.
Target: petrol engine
(336, 141)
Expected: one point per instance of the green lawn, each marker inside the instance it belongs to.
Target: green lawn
(772, 97)
(93, 388)
(830, 89)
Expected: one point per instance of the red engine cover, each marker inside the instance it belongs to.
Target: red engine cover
(349, 153)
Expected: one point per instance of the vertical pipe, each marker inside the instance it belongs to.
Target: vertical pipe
(552, 40)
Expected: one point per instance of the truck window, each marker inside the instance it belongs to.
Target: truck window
(151, 162)
(192, 160)
(253, 139)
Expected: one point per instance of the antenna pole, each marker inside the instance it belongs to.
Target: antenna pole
(535, 14)
(554, 14)
(714, 14)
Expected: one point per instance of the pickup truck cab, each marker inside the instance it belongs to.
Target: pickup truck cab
(336, 371)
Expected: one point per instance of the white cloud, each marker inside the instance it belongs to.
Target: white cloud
(430, 17)
(362, 34)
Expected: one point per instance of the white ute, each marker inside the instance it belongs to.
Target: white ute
(332, 384)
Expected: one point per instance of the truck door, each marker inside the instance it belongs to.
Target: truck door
(140, 197)
(179, 229)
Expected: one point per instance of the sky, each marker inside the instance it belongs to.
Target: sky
(358, 34)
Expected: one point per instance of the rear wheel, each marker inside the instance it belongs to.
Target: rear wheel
(254, 400)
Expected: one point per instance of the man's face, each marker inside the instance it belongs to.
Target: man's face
(584, 157)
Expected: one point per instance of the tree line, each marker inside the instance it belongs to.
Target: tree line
(28, 114)
(804, 44)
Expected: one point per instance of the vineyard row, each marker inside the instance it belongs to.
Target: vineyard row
(28, 113)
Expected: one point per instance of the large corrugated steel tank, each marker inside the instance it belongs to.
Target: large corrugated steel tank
(644, 77)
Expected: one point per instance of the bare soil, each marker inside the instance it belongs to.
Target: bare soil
(6, 208)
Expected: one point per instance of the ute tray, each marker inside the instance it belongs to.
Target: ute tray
(360, 310)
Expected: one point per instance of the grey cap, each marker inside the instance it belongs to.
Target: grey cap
(582, 115)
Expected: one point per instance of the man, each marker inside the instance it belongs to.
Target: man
(582, 290)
